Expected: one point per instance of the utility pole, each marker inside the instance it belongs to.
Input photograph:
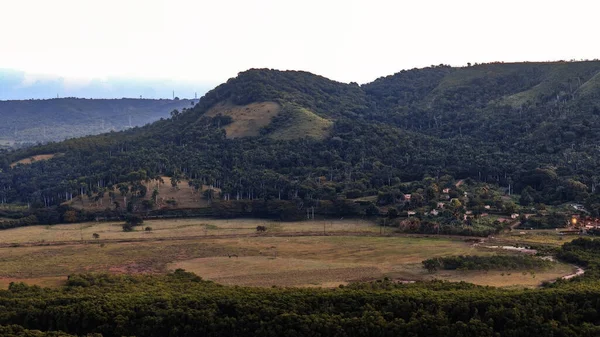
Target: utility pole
(173, 94)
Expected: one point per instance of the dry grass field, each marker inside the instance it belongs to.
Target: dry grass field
(177, 228)
(289, 254)
(184, 196)
(30, 160)
(247, 119)
(535, 237)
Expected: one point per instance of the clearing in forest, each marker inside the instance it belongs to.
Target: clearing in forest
(32, 159)
(182, 196)
(247, 119)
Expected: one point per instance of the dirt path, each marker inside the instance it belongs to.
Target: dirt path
(580, 271)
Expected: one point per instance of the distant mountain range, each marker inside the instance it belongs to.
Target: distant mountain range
(19, 85)
(32, 121)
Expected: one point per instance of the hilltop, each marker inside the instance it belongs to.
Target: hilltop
(303, 139)
(32, 121)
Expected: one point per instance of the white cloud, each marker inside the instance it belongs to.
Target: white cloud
(210, 41)
(30, 79)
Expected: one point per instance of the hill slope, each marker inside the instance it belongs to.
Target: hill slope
(56, 119)
(533, 126)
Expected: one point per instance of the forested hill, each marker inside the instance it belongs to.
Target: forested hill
(35, 121)
(296, 136)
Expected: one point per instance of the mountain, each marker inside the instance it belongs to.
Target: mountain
(298, 137)
(34, 121)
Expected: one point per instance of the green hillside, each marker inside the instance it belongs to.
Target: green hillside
(530, 126)
(33, 121)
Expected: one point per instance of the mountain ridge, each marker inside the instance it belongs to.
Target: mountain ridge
(55, 119)
(382, 137)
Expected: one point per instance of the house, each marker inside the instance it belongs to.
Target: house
(514, 216)
(434, 212)
(440, 205)
(407, 197)
(411, 213)
(487, 206)
(446, 190)
(469, 212)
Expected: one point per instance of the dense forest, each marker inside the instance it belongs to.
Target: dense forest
(41, 121)
(528, 128)
(182, 304)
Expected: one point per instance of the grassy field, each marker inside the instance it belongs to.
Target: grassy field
(230, 252)
(303, 123)
(177, 228)
(34, 159)
(247, 119)
(548, 237)
(184, 195)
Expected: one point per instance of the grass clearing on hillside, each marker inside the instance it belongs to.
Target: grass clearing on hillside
(247, 119)
(556, 79)
(302, 123)
(184, 196)
(32, 159)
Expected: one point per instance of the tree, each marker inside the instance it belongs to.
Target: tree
(527, 198)
(134, 220)
(372, 210)
(70, 216)
(392, 213)
(175, 179)
(96, 236)
(131, 221)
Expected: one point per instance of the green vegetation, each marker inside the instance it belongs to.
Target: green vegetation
(182, 304)
(496, 262)
(295, 122)
(333, 144)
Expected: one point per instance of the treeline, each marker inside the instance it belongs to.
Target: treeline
(585, 253)
(181, 304)
(495, 262)
(446, 225)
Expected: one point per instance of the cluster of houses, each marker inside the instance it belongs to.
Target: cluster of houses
(441, 205)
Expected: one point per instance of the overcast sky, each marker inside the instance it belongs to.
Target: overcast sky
(199, 44)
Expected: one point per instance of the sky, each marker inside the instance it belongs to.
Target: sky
(122, 47)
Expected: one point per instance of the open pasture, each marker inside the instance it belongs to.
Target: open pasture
(177, 228)
(231, 252)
